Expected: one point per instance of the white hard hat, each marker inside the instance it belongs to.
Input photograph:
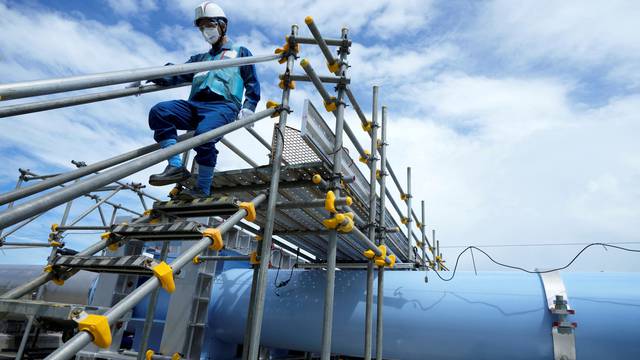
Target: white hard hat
(209, 10)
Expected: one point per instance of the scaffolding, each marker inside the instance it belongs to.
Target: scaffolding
(311, 200)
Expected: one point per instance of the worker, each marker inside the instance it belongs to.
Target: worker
(215, 100)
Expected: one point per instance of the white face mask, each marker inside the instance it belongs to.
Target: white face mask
(211, 35)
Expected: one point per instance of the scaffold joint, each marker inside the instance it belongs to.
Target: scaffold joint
(164, 273)
(250, 208)
(330, 202)
(253, 258)
(366, 158)
(97, 326)
(331, 105)
(216, 238)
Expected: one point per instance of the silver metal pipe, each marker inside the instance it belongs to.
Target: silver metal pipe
(78, 173)
(19, 226)
(382, 235)
(52, 86)
(327, 325)
(308, 204)
(224, 258)
(53, 199)
(24, 243)
(373, 164)
(151, 309)
(67, 228)
(355, 265)
(322, 44)
(95, 206)
(83, 338)
(32, 107)
(265, 254)
(315, 80)
(409, 219)
(424, 236)
(238, 152)
(324, 79)
(330, 42)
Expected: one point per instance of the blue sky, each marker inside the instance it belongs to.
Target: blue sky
(518, 118)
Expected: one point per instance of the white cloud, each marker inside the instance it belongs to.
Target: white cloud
(132, 7)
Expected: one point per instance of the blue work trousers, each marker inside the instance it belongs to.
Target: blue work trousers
(167, 117)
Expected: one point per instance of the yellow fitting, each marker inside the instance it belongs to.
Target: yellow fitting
(419, 243)
(333, 222)
(196, 260)
(438, 258)
(393, 260)
(148, 355)
(148, 212)
(367, 126)
(308, 20)
(369, 254)
(304, 62)
(54, 227)
(404, 221)
(273, 105)
(379, 144)
(292, 84)
(154, 221)
(98, 327)
(58, 281)
(331, 105)
(113, 247)
(316, 179)
(378, 174)
(105, 236)
(48, 268)
(404, 197)
(380, 262)
(251, 210)
(365, 159)
(330, 202)
(348, 227)
(216, 238)
(164, 273)
(419, 224)
(54, 243)
(173, 193)
(176, 356)
(258, 238)
(334, 67)
(253, 258)
(348, 201)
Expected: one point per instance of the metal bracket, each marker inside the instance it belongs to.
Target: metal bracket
(562, 331)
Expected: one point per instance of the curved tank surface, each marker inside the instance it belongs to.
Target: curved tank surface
(493, 315)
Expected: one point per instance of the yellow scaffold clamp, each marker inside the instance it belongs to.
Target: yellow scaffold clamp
(379, 144)
(342, 222)
(291, 84)
(251, 210)
(404, 197)
(274, 105)
(164, 273)
(253, 258)
(367, 156)
(97, 326)
(54, 228)
(258, 238)
(334, 66)
(216, 238)
(107, 237)
(404, 221)
(378, 174)
(316, 179)
(287, 50)
(419, 224)
(56, 280)
(367, 126)
(148, 355)
(330, 105)
(196, 260)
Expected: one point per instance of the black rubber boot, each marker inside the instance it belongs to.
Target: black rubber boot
(170, 175)
(191, 194)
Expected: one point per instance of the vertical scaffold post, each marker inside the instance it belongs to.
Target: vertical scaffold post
(433, 247)
(424, 236)
(409, 217)
(383, 231)
(335, 185)
(265, 251)
(372, 225)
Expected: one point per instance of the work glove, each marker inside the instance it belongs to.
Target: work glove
(245, 113)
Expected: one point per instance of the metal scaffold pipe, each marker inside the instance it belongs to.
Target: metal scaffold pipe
(322, 44)
(373, 165)
(256, 308)
(22, 192)
(83, 338)
(51, 200)
(44, 105)
(382, 235)
(52, 86)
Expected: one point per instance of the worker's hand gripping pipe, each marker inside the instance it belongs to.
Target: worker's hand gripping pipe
(52, 86)
(83, 338)
(53, 199)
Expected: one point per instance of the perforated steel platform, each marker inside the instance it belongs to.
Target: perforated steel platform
(306, 154)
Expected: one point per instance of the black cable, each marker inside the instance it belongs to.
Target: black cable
(286, 282)
(455, 268)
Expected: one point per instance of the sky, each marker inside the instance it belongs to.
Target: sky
(519, 119)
